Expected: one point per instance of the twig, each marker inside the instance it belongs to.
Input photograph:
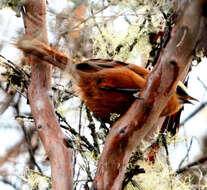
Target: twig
(199, 161)
(94, 135)
(27, 138)
(14, 67)
(80, 116)
(6, 181)
(74, 132)
(187, 154)
(198, 109)
(204, 86)
(85, 20)
(12, 151)
(29, 147)
(163, 140)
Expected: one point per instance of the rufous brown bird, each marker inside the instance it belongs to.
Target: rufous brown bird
(105, 85)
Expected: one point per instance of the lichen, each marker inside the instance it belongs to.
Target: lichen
(159, 176)
(36, 180)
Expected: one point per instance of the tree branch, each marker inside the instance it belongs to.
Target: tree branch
(48, 128)
(195, 163)
(135, 124)
(12, 152)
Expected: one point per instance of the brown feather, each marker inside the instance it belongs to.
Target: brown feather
(93, 77)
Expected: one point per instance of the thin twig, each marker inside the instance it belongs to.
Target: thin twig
(14, 150)
(30, 148)
(6, 181)
(80, 116)
(84, 20)
(204, 86)
(198, 109)
(27, 138)
(74, 132)
(94, 134)
(14, 66)
(187, 154)
(199, 161)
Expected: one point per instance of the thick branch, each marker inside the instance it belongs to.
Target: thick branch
(134, 125)
(42, 110)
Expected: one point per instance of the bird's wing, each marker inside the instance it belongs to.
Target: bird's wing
(94, 65)
(130, 91)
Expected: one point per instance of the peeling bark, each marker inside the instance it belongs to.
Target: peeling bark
(52, 137)
(128, 132)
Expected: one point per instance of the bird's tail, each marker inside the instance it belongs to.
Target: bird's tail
(31, 46)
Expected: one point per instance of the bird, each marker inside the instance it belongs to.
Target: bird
(106, 86)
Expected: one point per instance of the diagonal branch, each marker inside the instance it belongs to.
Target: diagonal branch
(195, 163)
(134, 125)
(34, 15)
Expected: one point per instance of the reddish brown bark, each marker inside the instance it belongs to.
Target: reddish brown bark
(135, 124)
(157, 126)
(42, 109)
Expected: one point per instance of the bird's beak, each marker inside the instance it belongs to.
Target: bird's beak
(191, 98)
(188, 99)
(185, 101)
(183, 95)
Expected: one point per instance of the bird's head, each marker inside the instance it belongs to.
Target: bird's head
(183, 95)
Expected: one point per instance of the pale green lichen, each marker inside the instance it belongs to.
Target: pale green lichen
(36, 180)
(114, 117)
(153, 4)
(129, 39)
(159, 176)
(131, 45)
